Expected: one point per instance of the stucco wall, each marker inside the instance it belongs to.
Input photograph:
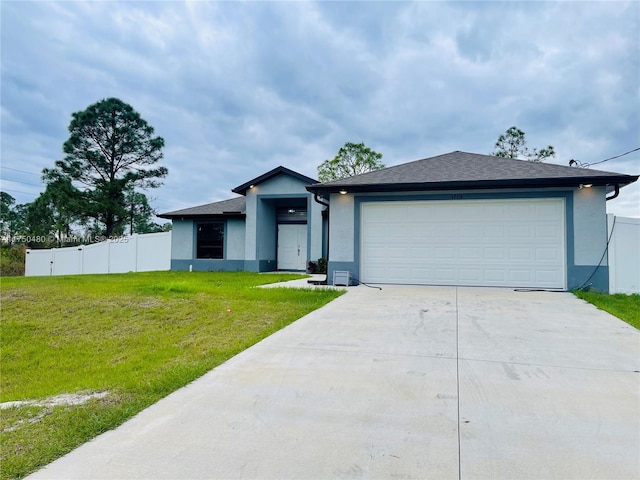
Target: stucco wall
(279, 185)
(342, 228)
(250, 249)
(589, 225)
(235, 239)
(314, 222)
(182, 239)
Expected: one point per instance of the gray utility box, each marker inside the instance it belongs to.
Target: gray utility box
(342, 278)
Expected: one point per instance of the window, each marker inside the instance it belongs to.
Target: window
(210, 240)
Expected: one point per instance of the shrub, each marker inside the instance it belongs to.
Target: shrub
(12, 261)
(322, 265)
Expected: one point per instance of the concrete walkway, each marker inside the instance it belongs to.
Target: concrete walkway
(406, 382)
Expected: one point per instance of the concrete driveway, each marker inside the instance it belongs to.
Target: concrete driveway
(406, 382)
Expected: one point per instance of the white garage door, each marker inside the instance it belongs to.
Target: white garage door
(510, 243)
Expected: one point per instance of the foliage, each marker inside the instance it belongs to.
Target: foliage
(10, 219)
(513, 144)
(111, 150)
(625, 307)
(322, 265)
(137, 336)
(140, 213)
(52, 213)
(12, 260)
(352, 159)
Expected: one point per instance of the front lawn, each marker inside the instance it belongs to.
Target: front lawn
(625, 307)
(126, 340)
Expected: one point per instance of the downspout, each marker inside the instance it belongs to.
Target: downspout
(615, 193)
(321, 202)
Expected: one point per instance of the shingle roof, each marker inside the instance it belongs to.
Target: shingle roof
(234, 207)
(471, 170)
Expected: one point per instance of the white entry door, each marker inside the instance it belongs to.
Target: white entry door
(292, 247)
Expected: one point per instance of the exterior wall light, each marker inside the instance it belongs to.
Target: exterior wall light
(585, 185)
(343, 192)
(251, 186)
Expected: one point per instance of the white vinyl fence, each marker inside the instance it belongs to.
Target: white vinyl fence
(624, 254)
(135, 253)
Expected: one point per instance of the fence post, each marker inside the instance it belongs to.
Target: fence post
(611, 251)
(135, 246)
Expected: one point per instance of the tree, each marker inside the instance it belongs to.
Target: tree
(140, 213)
(352, 159)
(111, 150)
(7, 217)
(54, 211)
(513, 144)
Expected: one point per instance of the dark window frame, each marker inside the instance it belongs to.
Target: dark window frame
(211, 247)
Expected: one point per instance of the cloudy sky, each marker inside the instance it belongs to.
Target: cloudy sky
(238, 88)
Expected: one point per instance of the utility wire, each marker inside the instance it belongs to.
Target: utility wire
(16, 191)
(617, 156)
(586, 165)
(18, 181)
(21, 171)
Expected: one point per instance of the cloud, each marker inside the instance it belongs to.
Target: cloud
(237, 88)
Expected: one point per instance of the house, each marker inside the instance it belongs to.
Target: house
(454, 219)
(274, 224)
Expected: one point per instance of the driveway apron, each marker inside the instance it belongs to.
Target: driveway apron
(403, 382)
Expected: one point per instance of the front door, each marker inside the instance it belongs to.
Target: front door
(292, 247)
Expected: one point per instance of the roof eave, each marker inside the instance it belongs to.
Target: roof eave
(220, 216)
(620, 180)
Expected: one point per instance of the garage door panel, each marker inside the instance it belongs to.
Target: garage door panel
(470, 253)
(521, 232)
(421, 252)
(520, 254)
(551, 255)
(493, 243)
(494, 232)
(492, 253)
(547, 231)
(470, 275)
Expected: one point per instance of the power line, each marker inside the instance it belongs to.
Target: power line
(16, 191)
(21, 171)
(18, 181)
(617, 156)
(573, 162)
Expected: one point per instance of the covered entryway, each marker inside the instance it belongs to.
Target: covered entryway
(511, 243)
(292, 247)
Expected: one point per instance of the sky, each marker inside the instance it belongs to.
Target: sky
(238, 88)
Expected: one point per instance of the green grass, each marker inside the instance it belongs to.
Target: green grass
(625, 307)
(137, 336)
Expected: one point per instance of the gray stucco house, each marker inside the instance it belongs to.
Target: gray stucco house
(454, 219)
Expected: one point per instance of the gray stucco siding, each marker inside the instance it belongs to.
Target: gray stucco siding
(207, 265)
(343, 228)
(280, 185)
(182, 233)
(589, 225)
(234, 241)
